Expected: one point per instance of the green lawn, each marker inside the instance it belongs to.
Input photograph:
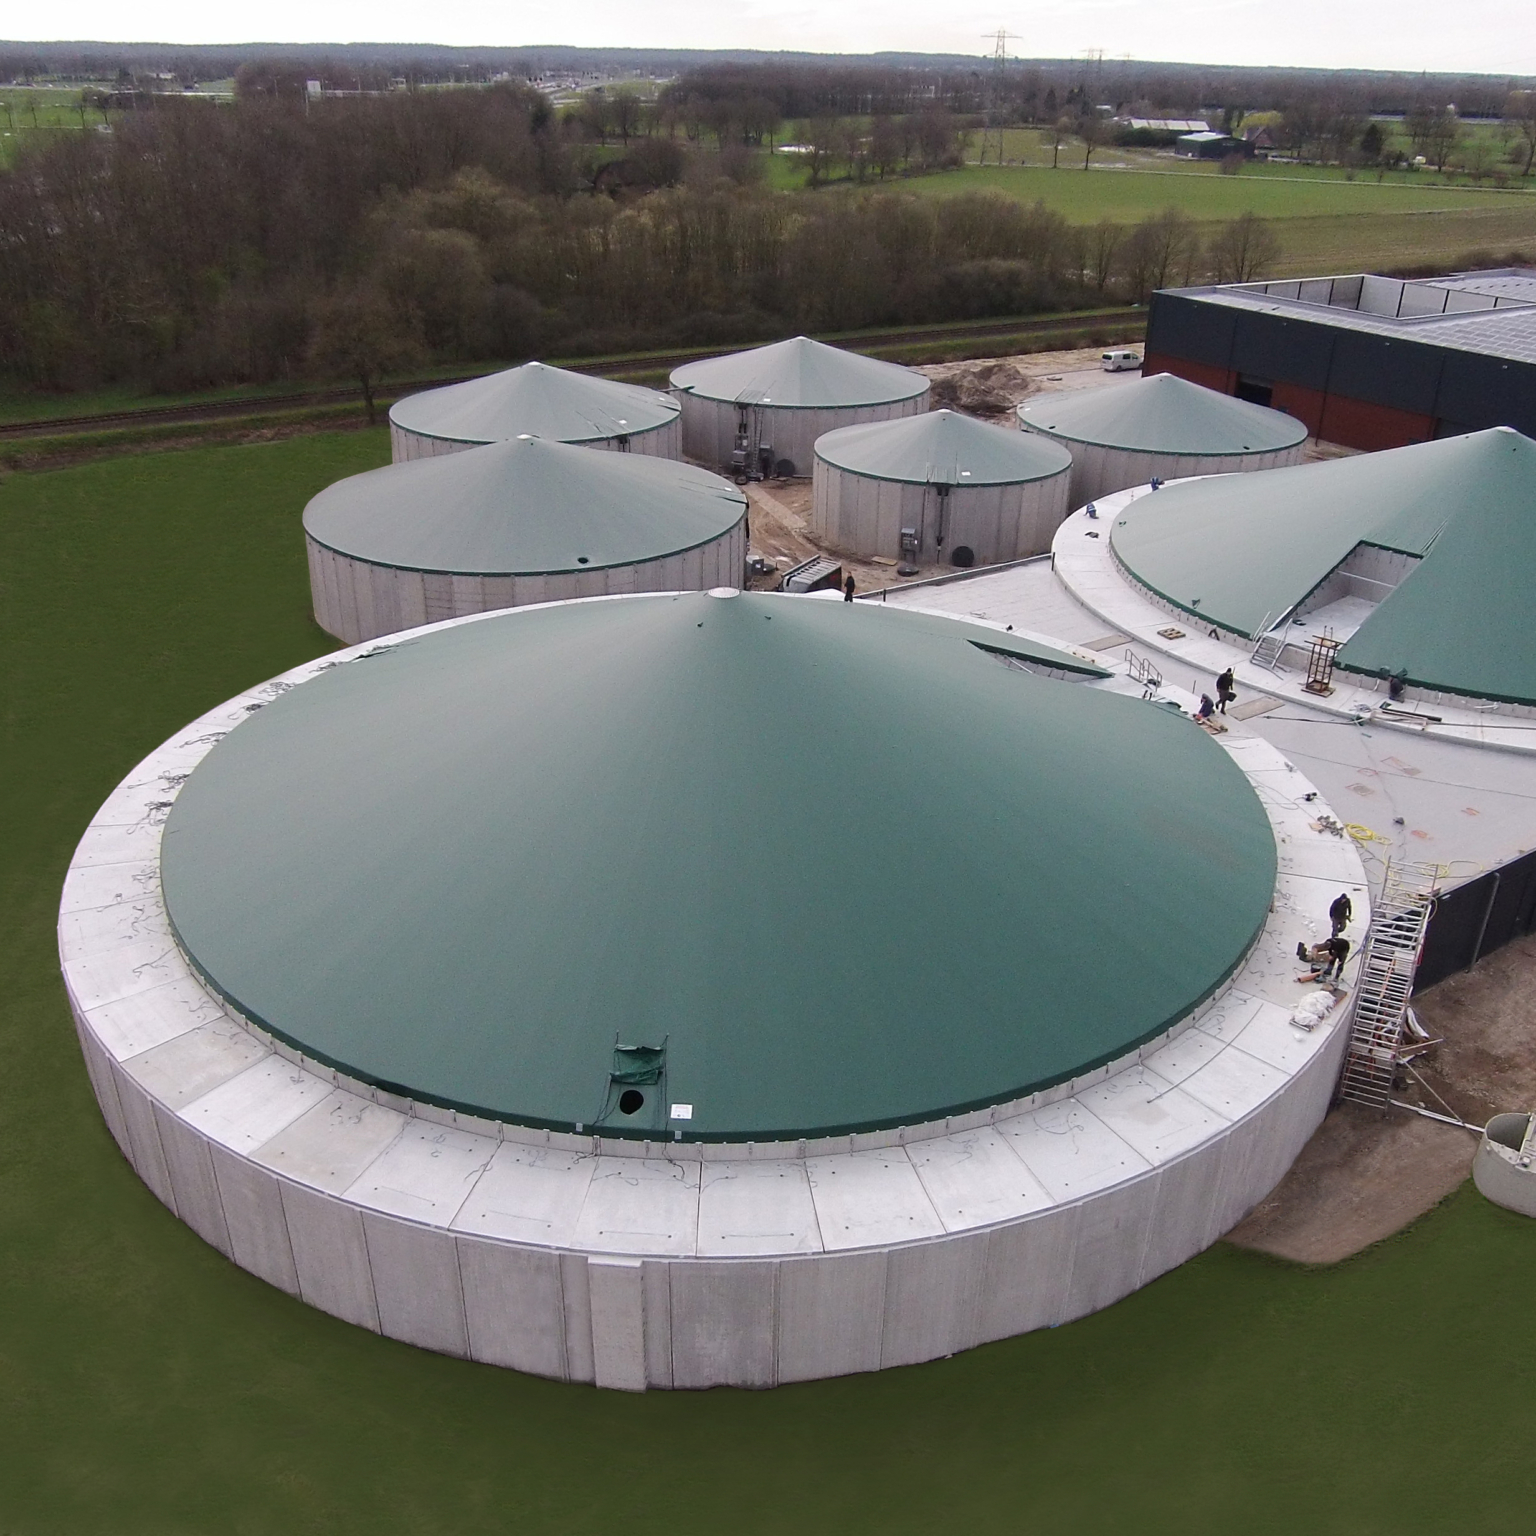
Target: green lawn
(29, 110)
(146, 1385)
(1128, 195)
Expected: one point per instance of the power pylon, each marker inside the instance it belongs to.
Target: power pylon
(992, 132)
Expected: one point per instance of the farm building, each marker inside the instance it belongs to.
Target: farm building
(1369, 362)
(1163, 427)
(539, 401)
(525, 521)
(1417, 561)
(939, 486)
(760, 412)
(1206, 145)
(454, 1000)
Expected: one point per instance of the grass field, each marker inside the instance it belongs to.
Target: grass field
(29, 110)
(146, 1385)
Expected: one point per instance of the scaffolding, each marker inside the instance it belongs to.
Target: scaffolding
(1384, 986)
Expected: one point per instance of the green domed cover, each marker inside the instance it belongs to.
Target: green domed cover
(799, 374)
(1163, 414)
(522, 508)
(1244, 552)
(942, 448)
(537, 399)
(849, 869)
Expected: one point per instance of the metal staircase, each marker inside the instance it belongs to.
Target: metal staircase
(1266, 653)
(1385, 983)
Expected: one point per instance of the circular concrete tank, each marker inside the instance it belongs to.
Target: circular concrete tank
(1505, 1166)
(539, 401)
(437, 983)
(526, 521)
(773, 402)
(1163, 427)
(969, 492)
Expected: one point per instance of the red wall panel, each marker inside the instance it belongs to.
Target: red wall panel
(1306, 405)
(1356, 424)
(1197, 373)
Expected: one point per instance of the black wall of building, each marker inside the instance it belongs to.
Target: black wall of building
(1458, 391)
(1477, 918)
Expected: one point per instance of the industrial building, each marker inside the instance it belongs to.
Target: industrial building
(1368, 362)
(940, 486)
(539, 401)
(760, 412)
(525, 521)
(1160, 427)
(1415, 563)
(444, 984)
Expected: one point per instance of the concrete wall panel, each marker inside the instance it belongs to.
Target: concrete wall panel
(330, 1255)
(617, 1290)
(513, 1307)
(831, 1311)
(1028, 1274)
(253, 1211)
(416, 1284)
(933, 1300)
(188, 1160)
(723, 1324)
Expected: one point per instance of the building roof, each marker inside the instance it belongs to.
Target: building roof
(1243, 553)
(843, 866)
(537, 399)
(799, 374)
(942, 448)
(1491, 312)
(522, 508)
(1162, 414)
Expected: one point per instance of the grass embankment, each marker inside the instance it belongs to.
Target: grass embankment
(149, 1386)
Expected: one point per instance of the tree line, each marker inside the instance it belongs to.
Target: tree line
(270, 239)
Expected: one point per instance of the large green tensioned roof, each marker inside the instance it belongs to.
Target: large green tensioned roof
(537, 399)
(1243, 552)
(799, 374)
(524, 507)
(942, 448)
(847, 868)
(1163, 414)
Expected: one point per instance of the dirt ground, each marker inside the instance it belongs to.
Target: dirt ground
(1365, 1174)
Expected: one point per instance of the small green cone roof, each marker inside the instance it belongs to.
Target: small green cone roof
(942, 448)
(535, 399)
(799, 374)
(1162, 414)
(522, 508)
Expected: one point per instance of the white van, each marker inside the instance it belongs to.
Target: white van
(1119, 361)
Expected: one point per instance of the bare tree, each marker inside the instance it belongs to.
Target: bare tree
(1104, 242)
(1520, 114)
(1093, 131)
(1243, 250)
(1060, 131)
(360, 336)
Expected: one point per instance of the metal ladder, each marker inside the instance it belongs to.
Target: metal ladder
(1266, 653)
(1385, 983)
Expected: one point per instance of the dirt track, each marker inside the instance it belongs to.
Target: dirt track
(1366, 1175)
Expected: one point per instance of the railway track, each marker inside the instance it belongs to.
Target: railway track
(614, 367)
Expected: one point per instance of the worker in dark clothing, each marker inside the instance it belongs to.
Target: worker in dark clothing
(1340, 913)
(1206, 710)
(1326, 959)
(848, 588)
(1225, 691)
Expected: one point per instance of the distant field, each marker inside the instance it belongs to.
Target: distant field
(1128, 195)
(25, 111)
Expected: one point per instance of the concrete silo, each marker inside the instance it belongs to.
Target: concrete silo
(538, 401)
(940, 486)
(1162, 427)
(444, 984)
(526, 521)
(760, 412)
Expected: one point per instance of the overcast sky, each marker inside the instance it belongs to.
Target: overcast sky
(1493, 36)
